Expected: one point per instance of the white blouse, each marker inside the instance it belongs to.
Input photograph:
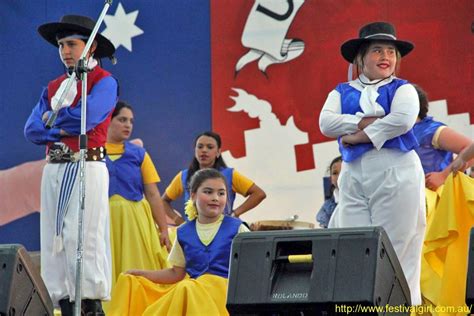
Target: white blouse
(403, 113)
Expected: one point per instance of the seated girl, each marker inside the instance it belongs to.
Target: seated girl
(197, 282)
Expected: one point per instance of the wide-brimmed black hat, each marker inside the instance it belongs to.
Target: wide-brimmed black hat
(80, 24)
(377, 31)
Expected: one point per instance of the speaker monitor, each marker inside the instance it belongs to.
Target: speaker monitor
(470, 271)
(22, 291)
(314, 272)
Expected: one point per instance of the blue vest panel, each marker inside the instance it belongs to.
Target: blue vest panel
(432, 159)
(350, 105)
(214, 258)
(125, 173)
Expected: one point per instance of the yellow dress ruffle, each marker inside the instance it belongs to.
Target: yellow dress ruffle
(134, 295)
(135, 239)
(445, 250)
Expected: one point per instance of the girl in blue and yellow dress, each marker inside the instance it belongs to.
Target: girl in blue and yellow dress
(207, 154)
(437, 142)
(136, 209)
(197, 283)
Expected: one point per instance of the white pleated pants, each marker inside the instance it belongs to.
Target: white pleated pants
(387, 188)
(58, 267)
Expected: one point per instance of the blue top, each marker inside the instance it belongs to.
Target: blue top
(324, 214)
(227, 172)
(213, 258)
(101, 101)
(350, 105)
(125, 173)
(432, 159)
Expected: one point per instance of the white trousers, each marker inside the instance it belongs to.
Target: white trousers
(387, 188)
(58, 266)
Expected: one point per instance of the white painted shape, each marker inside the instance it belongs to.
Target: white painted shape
(271, 161)
(459, 122)
(438, 109)
(121, 27)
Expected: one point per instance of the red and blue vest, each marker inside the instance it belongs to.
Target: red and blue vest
(97, 136)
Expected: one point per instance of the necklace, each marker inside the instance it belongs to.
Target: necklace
(371, 84)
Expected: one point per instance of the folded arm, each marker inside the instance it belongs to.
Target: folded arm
(403, 113)
(35, 130)
(334, 124)
(101, 101)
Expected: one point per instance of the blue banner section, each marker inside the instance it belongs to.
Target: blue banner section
(163, 53)
(25, 231)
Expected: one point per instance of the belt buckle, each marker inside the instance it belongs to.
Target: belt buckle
(60, 152)
(56, 154)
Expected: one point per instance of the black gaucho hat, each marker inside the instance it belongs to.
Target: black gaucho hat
(76, 24)
(377, 31)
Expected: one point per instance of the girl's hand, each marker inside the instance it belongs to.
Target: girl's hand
(45, 116)
(165, 240)
(356, 138)
(366, 121)
(434, 180)
(348, 140)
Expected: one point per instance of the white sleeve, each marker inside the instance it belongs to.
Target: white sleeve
(176, 255)
(403, 113)
(334, 124)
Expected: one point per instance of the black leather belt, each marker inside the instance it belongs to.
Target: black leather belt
(60, 153)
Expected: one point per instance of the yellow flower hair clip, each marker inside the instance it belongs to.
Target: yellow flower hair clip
(190, 210)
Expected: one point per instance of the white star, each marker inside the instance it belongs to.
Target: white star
(121, 27)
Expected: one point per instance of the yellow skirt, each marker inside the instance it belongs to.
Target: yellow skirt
(445, 249)
(134, 237)
(134, 295)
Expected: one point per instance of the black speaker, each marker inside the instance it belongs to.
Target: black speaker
(470, 271)
(22, 291)
(316, 272)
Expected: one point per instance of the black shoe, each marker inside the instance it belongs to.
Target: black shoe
(67, 308)
(92, 308)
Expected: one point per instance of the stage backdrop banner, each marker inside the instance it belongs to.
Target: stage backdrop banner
(260, 70)
(163, 53)
(275, 61)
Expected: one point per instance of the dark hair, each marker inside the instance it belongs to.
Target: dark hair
(335, 160)
(205, 174)
(119, 106)
(218, 164)
(424, 104)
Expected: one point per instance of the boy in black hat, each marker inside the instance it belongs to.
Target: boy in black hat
(381, 181)
(60, 181)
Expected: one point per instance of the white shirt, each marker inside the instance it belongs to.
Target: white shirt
(403, 113)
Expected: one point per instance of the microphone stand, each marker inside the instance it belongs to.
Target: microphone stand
(81, 71)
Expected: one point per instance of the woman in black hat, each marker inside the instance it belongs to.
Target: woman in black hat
(381, 181)
(60, 187)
